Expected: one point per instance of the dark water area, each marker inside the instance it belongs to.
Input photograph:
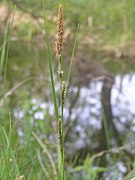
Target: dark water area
(98, 89)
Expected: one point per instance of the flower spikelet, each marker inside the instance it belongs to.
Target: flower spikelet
(60, 132)
(64, 88)
(59, 41)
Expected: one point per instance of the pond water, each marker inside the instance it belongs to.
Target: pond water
(86, 116)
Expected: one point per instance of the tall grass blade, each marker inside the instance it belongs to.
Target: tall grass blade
(50, 65)
(3, 53)
(24, 152)
(106, 129)
(42, 165)
(48, 155)
(73, 53)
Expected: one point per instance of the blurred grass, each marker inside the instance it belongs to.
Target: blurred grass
(107, 22)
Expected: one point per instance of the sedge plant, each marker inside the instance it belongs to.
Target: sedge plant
(59, 111)
(59, 119)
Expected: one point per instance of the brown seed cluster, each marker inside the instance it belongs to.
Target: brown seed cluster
(64, 87)
(59, 41)
(60, 73)
(60, 132)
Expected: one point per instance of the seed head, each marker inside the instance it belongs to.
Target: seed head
(64, 88)
(60, 132)
(59, 41)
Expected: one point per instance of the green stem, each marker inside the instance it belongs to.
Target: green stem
(107, 134)
(50, 67)
(62, 119)
(73, 52)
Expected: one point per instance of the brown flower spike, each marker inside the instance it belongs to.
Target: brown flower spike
(59, 41)
(60, 132)
(64, 88)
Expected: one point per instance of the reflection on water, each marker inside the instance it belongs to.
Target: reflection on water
(123, 102)
(115, 172)
(84, 117)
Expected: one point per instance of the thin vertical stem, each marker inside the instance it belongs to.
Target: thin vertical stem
(50, 66)
(73, 52)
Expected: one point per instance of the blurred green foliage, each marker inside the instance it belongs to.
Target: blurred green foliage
(111, 21)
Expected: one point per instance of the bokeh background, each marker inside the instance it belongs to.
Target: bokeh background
(99, 110)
